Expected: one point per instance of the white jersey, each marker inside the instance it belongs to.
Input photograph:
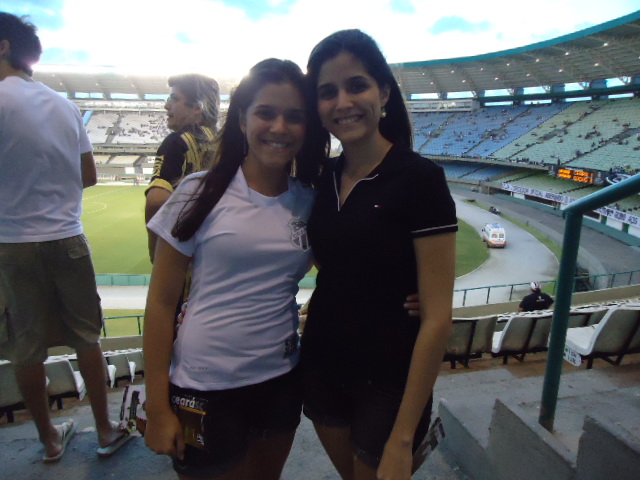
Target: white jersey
(248, 257)
(41, 139)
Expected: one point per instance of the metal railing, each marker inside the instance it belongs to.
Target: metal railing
(501, 293)
(581, 283)
(573, 215)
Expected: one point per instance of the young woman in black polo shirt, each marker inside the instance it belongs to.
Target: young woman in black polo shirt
(383, 227)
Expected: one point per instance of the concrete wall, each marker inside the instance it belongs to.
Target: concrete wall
(607, 451)
(520, 448)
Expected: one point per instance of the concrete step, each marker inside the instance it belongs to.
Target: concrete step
(494, 417)
(21, 452)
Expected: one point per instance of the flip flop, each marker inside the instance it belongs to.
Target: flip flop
(66, 430)
(113, 447)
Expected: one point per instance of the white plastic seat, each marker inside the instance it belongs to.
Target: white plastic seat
(63, 381)
(135, 355)
(125, 369)
(584, 316)
(616, 335)
(523, 333)
(111, 375)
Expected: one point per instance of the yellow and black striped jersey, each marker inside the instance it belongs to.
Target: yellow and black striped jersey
(182, 153)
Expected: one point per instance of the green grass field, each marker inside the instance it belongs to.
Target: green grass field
(113, 218)
(471, 252)
(124, 324)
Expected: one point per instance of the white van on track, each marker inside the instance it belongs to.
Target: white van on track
(493, 235)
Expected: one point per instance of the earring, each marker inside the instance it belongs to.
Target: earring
(245, 145)
(383, 112)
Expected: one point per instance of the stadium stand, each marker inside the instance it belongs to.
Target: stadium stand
(101, 159)
(541, 134)
(100, 125)
(123, 160)
(126, 127)
(423, 126)
(141, 128)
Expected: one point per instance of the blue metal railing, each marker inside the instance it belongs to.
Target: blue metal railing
(573, 215)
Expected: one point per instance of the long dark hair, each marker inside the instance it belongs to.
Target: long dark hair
(231, 150)
(396, 126)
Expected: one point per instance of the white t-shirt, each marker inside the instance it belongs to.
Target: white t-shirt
(41, 139)
(248, 257)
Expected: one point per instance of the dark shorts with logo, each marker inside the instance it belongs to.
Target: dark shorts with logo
(231, 420)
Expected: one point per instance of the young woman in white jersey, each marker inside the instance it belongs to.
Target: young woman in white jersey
(228, 406)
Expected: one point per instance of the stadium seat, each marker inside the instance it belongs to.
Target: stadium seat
(522, 334)
(587, 315)
(471, 337)
(125, 369)
(63, 381)
(135, 355)
(616, 335)
(111, 375)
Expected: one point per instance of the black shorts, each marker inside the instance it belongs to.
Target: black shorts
(367, 408)
(218, 440)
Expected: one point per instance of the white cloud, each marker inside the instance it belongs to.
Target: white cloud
(141, 35)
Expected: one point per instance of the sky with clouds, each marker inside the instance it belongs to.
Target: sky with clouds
(225, 38)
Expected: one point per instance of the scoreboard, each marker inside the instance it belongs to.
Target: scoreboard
(582, 176)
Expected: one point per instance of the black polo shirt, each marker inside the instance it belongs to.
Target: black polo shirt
(357, 324)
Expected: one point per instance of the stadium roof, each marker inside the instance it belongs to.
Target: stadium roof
(102, 81)
(609, 50)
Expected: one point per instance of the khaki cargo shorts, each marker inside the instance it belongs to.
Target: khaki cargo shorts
(48, 297)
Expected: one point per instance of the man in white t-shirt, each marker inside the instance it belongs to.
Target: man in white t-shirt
(48, 293)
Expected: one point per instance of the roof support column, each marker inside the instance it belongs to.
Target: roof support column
(557, 88)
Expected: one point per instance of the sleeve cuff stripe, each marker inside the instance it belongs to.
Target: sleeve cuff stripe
(442, 228)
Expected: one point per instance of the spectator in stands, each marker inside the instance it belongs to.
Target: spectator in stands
(192, 114)
(245, 232)
(48, 291)
(383, 226)
(536, 300)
